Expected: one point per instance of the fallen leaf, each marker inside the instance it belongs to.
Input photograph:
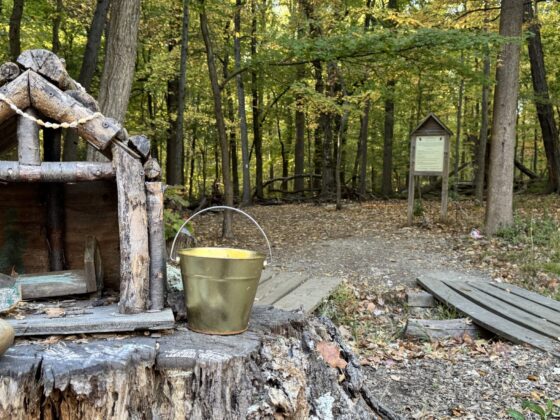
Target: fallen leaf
(331, 354)
(533, 378)
(55, 312)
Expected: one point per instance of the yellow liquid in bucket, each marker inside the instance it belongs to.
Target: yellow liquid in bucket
(224, 253)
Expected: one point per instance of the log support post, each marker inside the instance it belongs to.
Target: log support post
(158, 268)
(133, 233)
(29, 152)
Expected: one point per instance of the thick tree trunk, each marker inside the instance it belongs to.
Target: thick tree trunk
(545, 112)
(220, 123)
(275, 367)
(246, 199)
(15, 29)
(89, 65)
(499, 211)
(120, 59)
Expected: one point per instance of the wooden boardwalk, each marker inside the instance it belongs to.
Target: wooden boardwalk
(293, 290)
(509, 311)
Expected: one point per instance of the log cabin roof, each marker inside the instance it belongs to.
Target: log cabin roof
(44, 84)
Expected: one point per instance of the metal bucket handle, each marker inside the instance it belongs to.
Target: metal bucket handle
(224, 208)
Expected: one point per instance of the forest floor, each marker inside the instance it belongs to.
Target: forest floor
(370, 246)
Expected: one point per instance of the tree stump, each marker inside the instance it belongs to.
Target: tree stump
(272, 371)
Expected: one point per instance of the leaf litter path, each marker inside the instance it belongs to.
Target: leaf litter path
(379, 258)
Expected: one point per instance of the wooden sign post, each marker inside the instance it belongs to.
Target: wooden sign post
(429, 156)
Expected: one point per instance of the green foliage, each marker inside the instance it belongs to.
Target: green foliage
(418, 209)
(173, 214)
(543, 231)
(545, 412)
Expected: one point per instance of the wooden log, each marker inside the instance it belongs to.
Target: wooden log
(431, 329)
(152, 170)
(84, 98)
(420, 299)
(133, 233)
(93, 267)
(55, 104)
(52, 284)
(156, 228)
(275, 367)
(29, 151)
(57, 171)
(8, 72)
(49, 65)
(18, 92)
(140, 144)
(7, 335)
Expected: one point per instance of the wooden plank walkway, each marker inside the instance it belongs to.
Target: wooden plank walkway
(508, 311)
(293, 290)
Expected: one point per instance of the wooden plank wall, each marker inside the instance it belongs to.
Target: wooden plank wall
(90, 209)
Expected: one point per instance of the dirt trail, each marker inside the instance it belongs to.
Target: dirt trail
(369, 246)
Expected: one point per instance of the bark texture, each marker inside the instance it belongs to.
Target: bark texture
(133, 233)
(274, 370)
(158, 266)
(57, 171)
(499, 211)
(543, 104)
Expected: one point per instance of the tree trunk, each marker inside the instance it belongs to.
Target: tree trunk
(389, 126)
(458, 134)
(483, 137)
(173, 159)
(15, 29)
(120, 59)
(545, 112)
(276, 367)
(339, 151)
(175, 146)
(299, 153)
(499, 212)
(57, 20)
(247, 196)
(220, 123)
(364, 127)
(256, 105)
(89, 65)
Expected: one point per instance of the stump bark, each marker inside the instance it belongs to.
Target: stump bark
(272, 371)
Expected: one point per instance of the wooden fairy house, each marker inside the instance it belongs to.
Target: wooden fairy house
(75, 227)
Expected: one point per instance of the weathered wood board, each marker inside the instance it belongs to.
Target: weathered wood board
(309, 295)
(442, 284)
(93, 320)
(270, 292)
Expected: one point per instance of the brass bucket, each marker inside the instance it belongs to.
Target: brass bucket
(220, 284)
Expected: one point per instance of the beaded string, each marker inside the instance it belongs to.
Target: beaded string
(48, 124)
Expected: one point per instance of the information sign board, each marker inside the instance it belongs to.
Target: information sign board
(429, 154)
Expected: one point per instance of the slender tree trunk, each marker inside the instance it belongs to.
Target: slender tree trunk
(319, 131)
(56, 27)
(89, 65)
(256, 107)
(499, 211)
(227, 231)
(458, 134)
(173, 159)
(389, 125)
(543, 104)
(299, 154)
(339, 150)
(120, 60)
(246, 199)
(15, 29)
(364, 126)
(483, 137)
(175, 145)
(388, 131)
(233, 147)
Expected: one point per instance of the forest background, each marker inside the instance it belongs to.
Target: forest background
(254, 100)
